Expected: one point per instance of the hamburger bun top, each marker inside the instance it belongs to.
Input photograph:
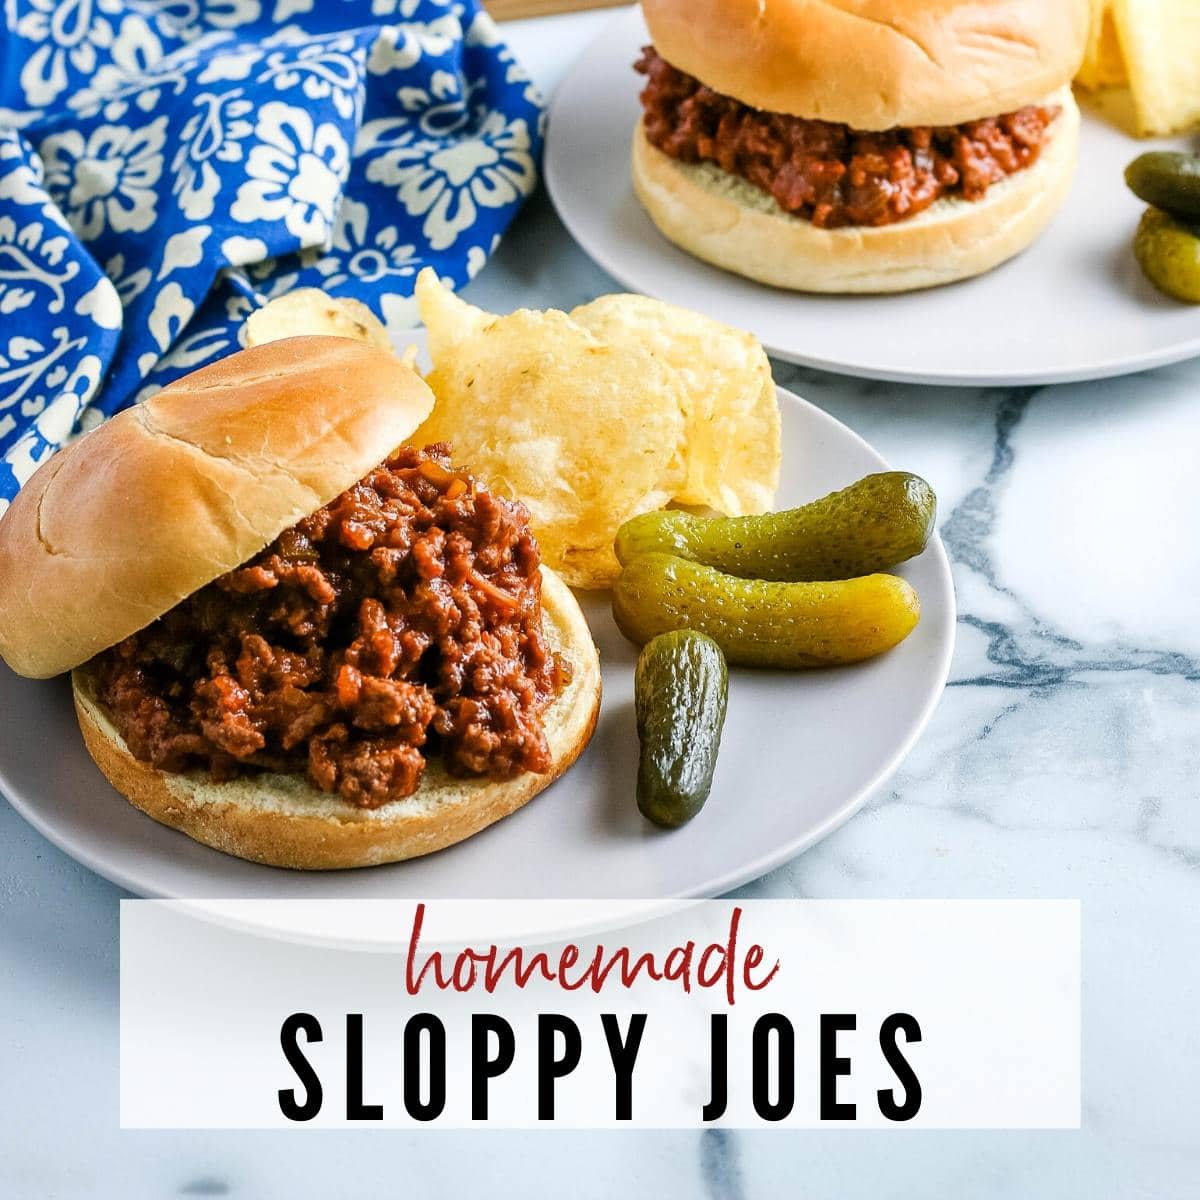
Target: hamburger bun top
(119, 527)
(875, 64)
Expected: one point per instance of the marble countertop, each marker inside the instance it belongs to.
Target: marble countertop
(1062, 762)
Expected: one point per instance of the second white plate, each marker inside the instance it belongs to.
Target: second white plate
(1074, 306)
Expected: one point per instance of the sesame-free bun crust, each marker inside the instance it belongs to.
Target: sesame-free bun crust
(282, 820)
(875, 64)
(726, 221)
(121, 526)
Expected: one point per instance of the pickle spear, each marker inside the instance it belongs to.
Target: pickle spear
(871, 525)
(765, 624)
(680, 690)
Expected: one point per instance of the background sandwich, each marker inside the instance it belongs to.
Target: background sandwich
(857, 145)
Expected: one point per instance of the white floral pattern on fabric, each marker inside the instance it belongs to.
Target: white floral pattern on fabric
(327, 68)
(140, 77)
(59, 319)
(179, 162)
(106, 180)
(32, 258)
(296, 173)
(135, 51)
(356, 253)
(129, 285)
(69, 35)
(446, 185)
(211, 139)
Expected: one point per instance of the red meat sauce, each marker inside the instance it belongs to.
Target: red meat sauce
(400, 621)
(831, 174)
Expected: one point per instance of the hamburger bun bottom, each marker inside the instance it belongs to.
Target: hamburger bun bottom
(283, 821)
(728, 222)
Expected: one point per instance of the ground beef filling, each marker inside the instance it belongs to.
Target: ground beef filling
(831, 174)
(401, 620)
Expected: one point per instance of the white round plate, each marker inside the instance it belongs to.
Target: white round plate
(1074, 306)
(800, 753)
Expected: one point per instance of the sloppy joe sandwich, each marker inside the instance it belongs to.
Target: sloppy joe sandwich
(857, 145)
(293, 637)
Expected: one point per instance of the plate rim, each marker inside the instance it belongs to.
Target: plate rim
(1112, 368)
(85, 851)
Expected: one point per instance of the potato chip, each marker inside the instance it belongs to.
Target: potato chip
(308, 311)
(619, 408)
(730, 408)
(584, 433)
(448, 319)
(1103, 65)
(1153, 46)
(1160, 40)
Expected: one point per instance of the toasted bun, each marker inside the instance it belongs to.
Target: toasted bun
(116, 529)
(730, 223)
(875, 64)
(284, 821)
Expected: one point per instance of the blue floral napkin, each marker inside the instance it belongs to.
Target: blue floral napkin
(168, 165)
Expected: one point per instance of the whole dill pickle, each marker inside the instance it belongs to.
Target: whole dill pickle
(1169, 180)
(680, 690)
(1168, 252)
(765, 624)
(871, 525)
